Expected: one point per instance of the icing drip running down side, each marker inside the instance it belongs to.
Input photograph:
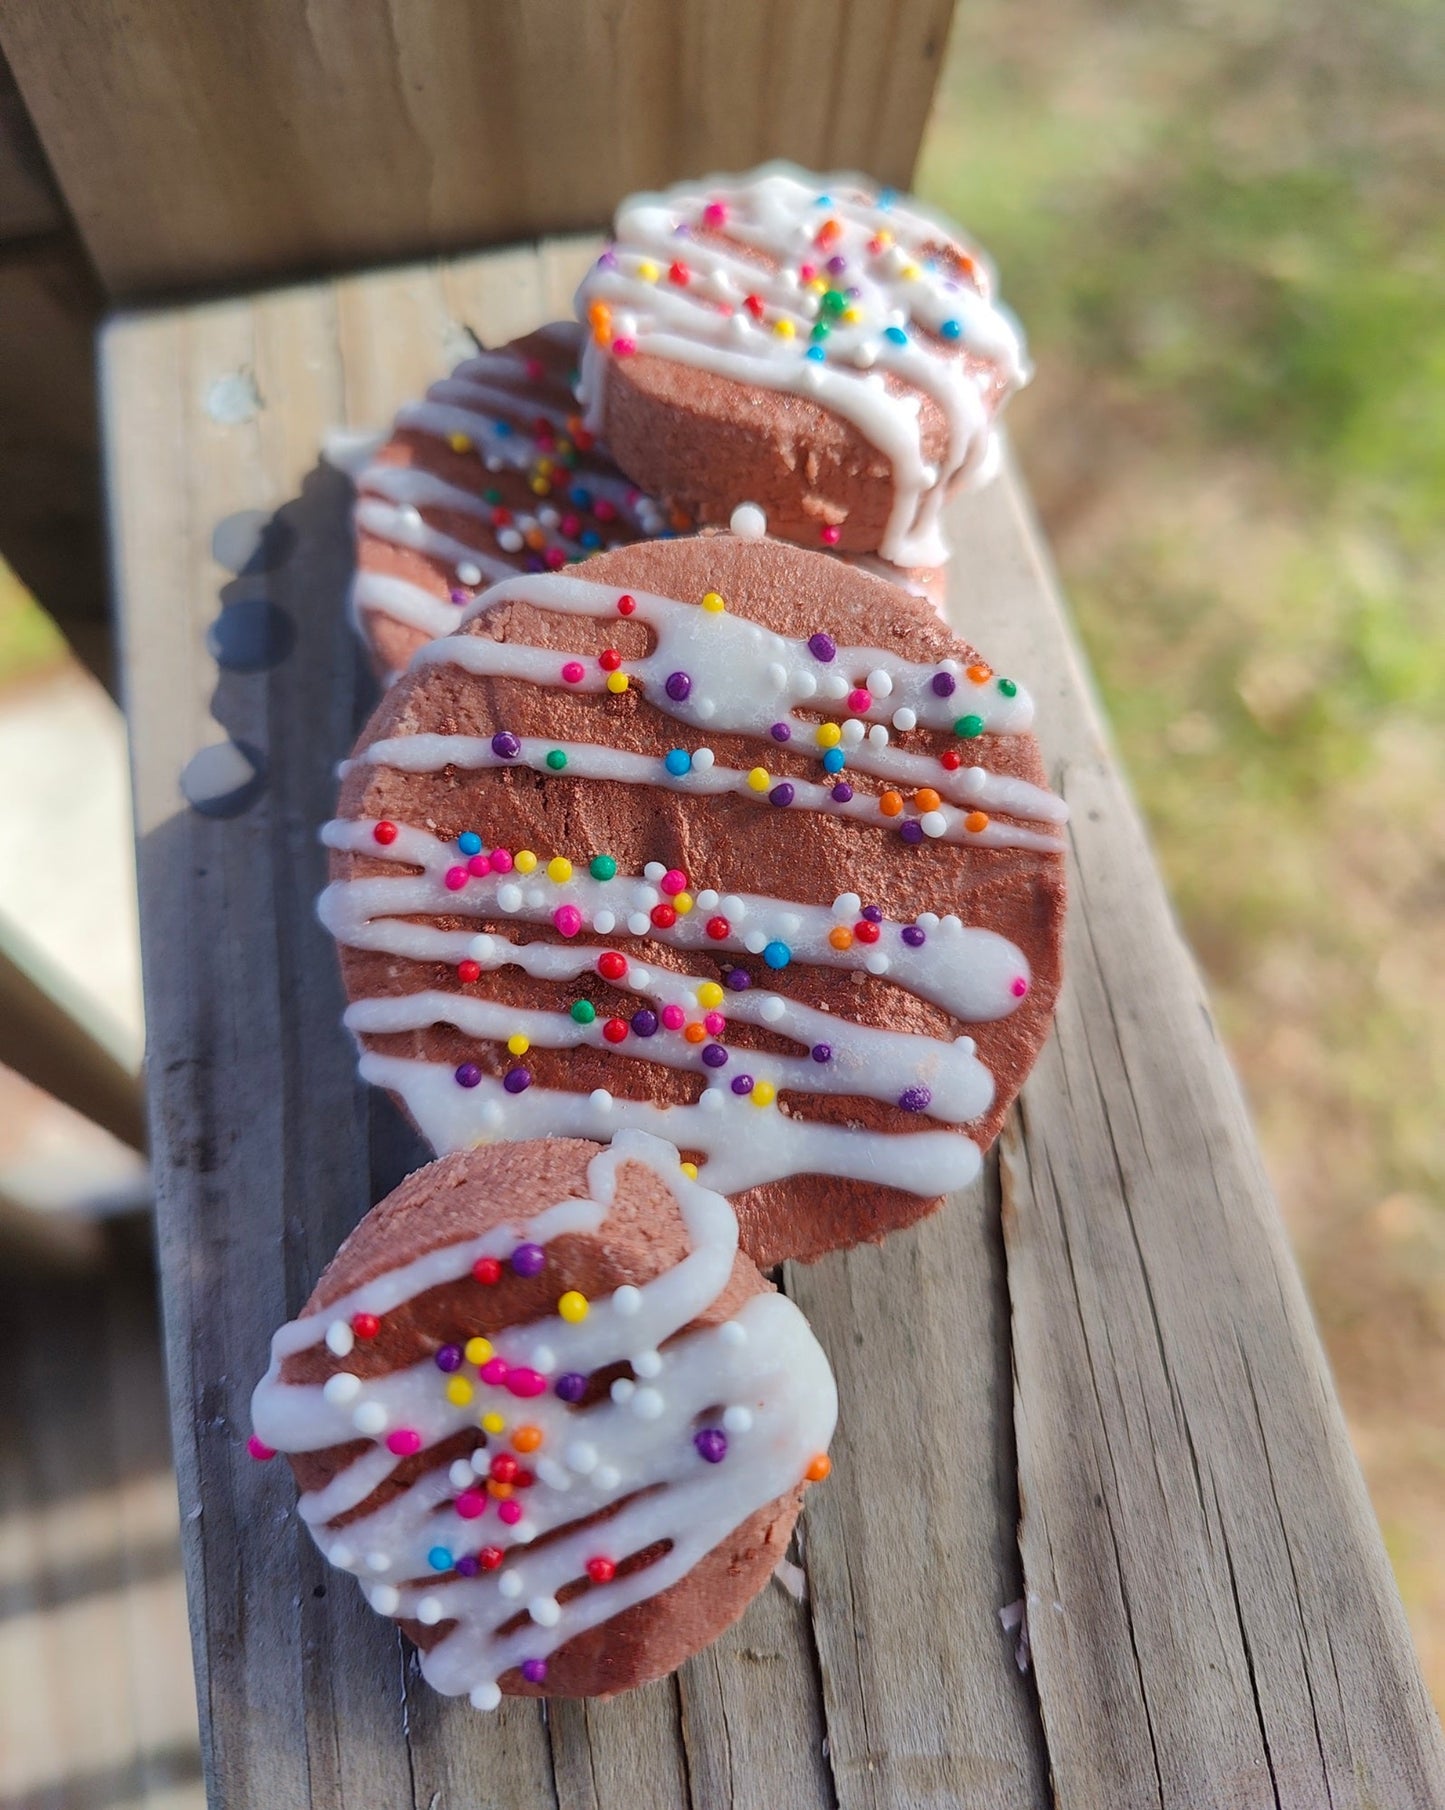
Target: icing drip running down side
(759, 1380)
(821, 288)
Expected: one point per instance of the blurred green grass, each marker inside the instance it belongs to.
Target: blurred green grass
(1221, 225)
(30, 643)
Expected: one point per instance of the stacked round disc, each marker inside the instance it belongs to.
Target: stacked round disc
(722, 841)
(491, 474)
(551, 1419)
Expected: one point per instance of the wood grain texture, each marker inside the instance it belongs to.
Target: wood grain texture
(95, 1703)
(1135, 1329)
(198, 143)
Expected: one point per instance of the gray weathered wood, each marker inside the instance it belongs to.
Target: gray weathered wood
(1194, 1516)
(197, 143)
(95, 1702)
(1210, 1545)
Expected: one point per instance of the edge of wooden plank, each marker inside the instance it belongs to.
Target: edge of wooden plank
(1213, 1610)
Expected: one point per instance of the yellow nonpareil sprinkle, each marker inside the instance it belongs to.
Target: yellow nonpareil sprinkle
(709, 994)
(525, 861)
(763, 1094)
(477, 1350)
(573, 1307)
(713, 603)
(682, 903)
(758, 779)
(518, 1044)
(559, 868)
(690, 1171)
(493, 1423)
(459, 1392)
(617, 683)
(784, 328)
(829, 735)
(648, 271)
(459, 443)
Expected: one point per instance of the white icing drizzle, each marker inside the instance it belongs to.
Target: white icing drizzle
(975, 975)
(762, 1375)
(743, 679)
(585, 760)
(901, 314)
(970, 973)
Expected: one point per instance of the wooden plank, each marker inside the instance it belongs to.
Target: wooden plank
(96, 1700)
(896, 1687)
(198, 144)
(1211, 1610)
(29, 205)
(45, 1037)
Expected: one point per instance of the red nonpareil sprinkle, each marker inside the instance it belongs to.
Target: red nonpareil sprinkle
(601, 1571)
(832, 534)
(615, 1030)
(950, 759)
(719, 929)
(626, 603)
(866, 931)
(385, 834)
(754, 306)
(678, 272)
(611, 965)
(469, 971)
(365, 1326)
(487, 1270)
(490, 1557)
(664, 916)
(609, 659)
(503, 1468)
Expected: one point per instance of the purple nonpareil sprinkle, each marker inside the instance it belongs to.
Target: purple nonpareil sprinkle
(944, 684)
(842, 792)
(738, 979)
(449, 1358)
(915, 1099)
(678, 685)
(913, 936)
(822, 647)
(715, 1056)
(712, 1444)
(571, 1387)
(912, 831)
(506, 745)
(528, 1259)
